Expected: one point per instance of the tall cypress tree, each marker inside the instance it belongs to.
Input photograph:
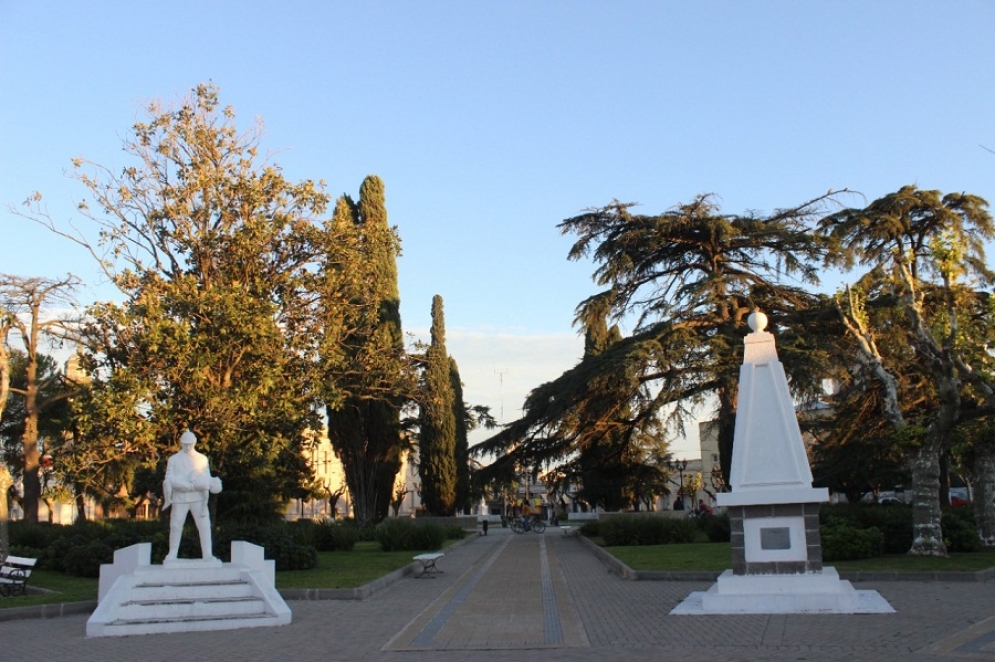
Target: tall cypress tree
(462, 446)
(364, 427)
(437, 422)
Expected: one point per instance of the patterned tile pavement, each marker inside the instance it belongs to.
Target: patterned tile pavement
(547, 597)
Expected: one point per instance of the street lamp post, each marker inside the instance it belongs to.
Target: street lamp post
(680, 466)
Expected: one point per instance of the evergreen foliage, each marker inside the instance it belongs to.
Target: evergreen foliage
(688, 278)
(373, 376)
(437, 422)
(462, 417)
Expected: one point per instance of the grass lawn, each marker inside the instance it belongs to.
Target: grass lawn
(335, 570)
(347, 569)
(716, 556)
(67, 587)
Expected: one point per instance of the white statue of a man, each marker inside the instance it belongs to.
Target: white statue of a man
(186, 488)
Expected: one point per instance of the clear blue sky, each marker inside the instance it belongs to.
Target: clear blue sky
(490, 122)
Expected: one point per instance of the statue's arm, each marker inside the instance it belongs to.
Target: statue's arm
(167, 488)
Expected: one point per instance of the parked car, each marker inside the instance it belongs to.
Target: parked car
(959, 496)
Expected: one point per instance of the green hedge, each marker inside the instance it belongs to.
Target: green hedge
(894, 522)
(846, 543)
(625, 530)
(403, 535)
(716, 527)
(79, 549)
(591, 528)
(277, 539)
(325, 536)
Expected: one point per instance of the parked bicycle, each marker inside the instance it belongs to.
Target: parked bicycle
(523, 524)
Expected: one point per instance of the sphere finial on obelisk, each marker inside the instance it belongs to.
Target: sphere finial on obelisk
(757, 321)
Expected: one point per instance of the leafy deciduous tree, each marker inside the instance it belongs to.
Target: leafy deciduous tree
(926, 251)
(23, 304)
(219, 260)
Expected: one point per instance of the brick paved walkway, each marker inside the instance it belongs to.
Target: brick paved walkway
(522, 598)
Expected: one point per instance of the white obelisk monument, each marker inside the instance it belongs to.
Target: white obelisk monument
(773, 508)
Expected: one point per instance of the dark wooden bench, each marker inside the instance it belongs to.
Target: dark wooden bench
(14, 574)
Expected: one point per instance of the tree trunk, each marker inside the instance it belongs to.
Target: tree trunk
(5, 482)
(984, 493)
(726, 429)
(50, 507)
(80, 500)
(32, 458)
(927, 535)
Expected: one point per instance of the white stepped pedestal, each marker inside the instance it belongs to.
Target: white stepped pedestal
(810, 593)
(186, 595)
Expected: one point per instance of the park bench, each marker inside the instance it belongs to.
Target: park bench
(570, 531)
(14, 573)
(428, 567)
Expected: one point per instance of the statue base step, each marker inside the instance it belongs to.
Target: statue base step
(808, 593)
(186, 595)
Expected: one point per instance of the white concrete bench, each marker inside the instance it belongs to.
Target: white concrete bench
(428, 567)
(570, 530)
(14, 573)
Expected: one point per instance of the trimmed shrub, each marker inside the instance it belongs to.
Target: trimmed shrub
(37, 536)
(366, 533)
(274, 538)
(627, 530)
(332, 537)
(841, 542)
(304, 532)
(591, 528)
(959, 533)
(894, 521)
(455, 532)
(406, 535)
(716, 527)
(32, 553)
(394, 535)
(85, 560)
(682, 530)
(429, 537)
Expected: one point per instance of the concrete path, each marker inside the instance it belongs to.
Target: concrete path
(546, 597)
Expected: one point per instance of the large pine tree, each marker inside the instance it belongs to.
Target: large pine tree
(687, 278)
(437, 423)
